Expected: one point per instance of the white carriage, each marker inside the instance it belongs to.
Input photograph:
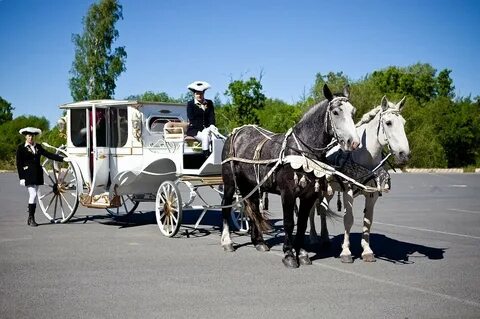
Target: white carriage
(126, 152)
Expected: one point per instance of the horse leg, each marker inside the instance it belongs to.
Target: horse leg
(226, 241)
(288, 203)
(346, 254)
(253, 204)
(324, 210)
(304, 210)
(313, 237)
(370, 200)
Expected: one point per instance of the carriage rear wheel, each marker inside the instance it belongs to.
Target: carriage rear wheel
(58, 197)
(127, 207)
(168, 208)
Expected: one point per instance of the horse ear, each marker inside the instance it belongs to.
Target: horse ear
(346, 91)
(327, 93)
(401, 103)
(384, 103)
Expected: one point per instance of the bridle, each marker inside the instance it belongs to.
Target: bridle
(381, 126)
(329, 127)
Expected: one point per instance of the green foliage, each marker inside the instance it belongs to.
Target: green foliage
(5, 111)
(458, 129)
(418, 80)
(335, 81)
(96, 65)
(278, 116)
(247, 99)
(227, 118)
(150, 96)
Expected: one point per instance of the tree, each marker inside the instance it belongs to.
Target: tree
(247, 98)
(96, 67)
(5, 111)
(445, 85)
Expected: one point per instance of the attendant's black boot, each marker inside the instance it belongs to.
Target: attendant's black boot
(31, 215)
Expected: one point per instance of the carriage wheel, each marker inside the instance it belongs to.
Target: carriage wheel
(59, 195)
(168, 208)
(239, 218)
(127, 206)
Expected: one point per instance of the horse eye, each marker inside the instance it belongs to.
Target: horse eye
(389, 123)
(335, 112)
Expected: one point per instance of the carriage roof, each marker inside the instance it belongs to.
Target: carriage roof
(113, 103)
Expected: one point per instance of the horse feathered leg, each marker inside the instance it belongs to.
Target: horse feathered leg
(367, 254)
(346, 254)
(288, 203)
(306, 205)
(313, 237)
(323, 210)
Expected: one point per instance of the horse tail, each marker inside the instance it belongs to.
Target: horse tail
(260, 219)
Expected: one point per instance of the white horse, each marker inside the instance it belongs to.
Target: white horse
(382, 126)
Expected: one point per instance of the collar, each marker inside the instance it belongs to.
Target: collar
(32, 145)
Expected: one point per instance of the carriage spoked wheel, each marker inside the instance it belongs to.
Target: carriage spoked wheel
(127, 207)
(58, 197)
(239, 218)
(168, 208)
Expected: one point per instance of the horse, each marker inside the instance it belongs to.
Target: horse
(382, 126)
(256, 161)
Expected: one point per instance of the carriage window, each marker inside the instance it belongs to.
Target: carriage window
(156, 124)
(118, 127)
(78, 127)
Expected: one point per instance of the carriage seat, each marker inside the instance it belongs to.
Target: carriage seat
(174, 132)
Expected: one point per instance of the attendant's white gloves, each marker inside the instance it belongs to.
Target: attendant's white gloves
(22, 182)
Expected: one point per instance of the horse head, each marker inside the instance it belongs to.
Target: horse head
(391, 130)
(339, 118)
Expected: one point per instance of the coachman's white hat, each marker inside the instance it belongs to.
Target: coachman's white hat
(30, 130)
(198, 86)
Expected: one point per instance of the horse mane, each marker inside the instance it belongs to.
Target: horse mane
(317, 110)
(370, 115)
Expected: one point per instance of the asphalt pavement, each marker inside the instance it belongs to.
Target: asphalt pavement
(426, 236)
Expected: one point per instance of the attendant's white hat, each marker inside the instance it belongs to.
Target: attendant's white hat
(30, 130)
(198, 86)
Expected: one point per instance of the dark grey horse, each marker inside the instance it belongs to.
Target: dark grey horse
(253, 163)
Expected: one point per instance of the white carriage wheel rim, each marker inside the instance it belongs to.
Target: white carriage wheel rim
(168, 196)
(52, 194)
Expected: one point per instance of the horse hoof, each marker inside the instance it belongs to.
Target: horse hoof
(369, 258)
(228, 248)
(304, 260)
(290, 262)
(346, 259)
(262, 247)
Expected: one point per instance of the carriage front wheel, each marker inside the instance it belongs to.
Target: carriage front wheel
(58, 197)
(168, 208)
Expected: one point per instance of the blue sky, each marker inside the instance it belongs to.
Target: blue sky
(171, 43)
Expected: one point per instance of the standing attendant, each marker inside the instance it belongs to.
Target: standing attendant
(201, 115)
(30, 169)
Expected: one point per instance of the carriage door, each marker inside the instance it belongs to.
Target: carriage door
(100, 152)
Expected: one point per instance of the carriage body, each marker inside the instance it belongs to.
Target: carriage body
(121, 149)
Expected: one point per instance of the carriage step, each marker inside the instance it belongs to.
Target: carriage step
(100, 201)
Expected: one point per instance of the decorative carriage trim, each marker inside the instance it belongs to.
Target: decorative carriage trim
(308, 165)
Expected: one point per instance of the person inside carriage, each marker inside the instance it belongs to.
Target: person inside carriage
(201, 116)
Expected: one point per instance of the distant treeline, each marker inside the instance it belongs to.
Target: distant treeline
(443, 130)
